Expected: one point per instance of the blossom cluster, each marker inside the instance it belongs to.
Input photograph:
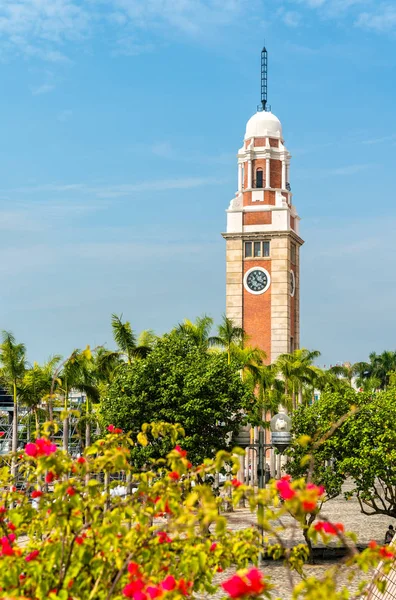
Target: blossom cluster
(41, 447)
(308, 497)
(139, 588)
(245, 583)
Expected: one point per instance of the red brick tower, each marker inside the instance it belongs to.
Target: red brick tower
(262, 240)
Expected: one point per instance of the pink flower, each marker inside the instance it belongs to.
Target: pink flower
(284, 488)
(134, 590)
(6, 549)
(2, 433)
(110, 428)
(42, 447)
(329, 528)
(37, 493)
(139, 595)
(251, 584)
(213, 547)
(235, 587)
(31, 449)
(34, 554)
(154, 591)
(169, 583)
(183, 453)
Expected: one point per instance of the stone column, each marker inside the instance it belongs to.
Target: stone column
(267, 173)
(239, 177)
(280, 296)
(234, 283)
(249, 180)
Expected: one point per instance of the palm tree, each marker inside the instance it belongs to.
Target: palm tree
(69, 375)
(382, 365)
(36, 387)
(125, 339)
(13, 366)
(297, 369)
(228, 336)
(198, 332)
(346, 371)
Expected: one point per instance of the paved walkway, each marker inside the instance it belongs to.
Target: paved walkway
(348, 512)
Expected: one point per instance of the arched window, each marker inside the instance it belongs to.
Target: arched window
(259, 178)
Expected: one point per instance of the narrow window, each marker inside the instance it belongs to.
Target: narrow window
(291, 344)
(257, 249)
(259, 178)
(266, 248)
(248, 249)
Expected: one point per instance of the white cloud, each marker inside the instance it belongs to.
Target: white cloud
(162, 149)
(381, 21)
(292, 18)
(124, 189)
(44, 88)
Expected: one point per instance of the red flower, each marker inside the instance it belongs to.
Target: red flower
(11, 526)
(131, 590)
(70, 491)
(49, 478)
(79, 540)
(184, 587)
(257, 585)
(284, 488)
(173, 475)
(153, 591)
(220, 569)
(133, 569)
(372, 545)
(34, 554)
(183, 453)
(319, 489)
(309, 506)
(37, 494)
(81, 460)
(2, 433)
(252, 584)
(6, 549)
(213, 547)
(384, 552)
(169, 583)
(113, 429)
(3, 510)
(235, 587)
(189, 465)
(163, 537)
(236, 483)
(329, 528)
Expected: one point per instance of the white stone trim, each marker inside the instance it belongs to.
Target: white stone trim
(294, 283)
(250, 271)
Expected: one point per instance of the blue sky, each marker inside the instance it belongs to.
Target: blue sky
(119, 125)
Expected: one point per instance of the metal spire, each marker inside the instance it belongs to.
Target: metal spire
(264, 80)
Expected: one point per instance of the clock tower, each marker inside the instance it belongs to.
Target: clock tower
(262, 238)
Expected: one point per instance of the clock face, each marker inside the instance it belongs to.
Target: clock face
(257, 280)
(292, 283)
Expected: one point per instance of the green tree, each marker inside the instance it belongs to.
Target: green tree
(35, 387)
(228, 336)
(351, 435)
(179, 382)
(198, 332)
(297, 370)
(13, 367)
(126, 341)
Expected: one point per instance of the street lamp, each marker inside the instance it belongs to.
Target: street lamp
(280, 427)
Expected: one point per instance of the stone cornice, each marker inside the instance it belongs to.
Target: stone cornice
(259, 235)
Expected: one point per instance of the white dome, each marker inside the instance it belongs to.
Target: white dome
(263, 124)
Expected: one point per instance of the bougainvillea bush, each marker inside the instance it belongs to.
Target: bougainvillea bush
(72, 530)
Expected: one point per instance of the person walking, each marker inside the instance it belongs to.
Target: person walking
(390, 532)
